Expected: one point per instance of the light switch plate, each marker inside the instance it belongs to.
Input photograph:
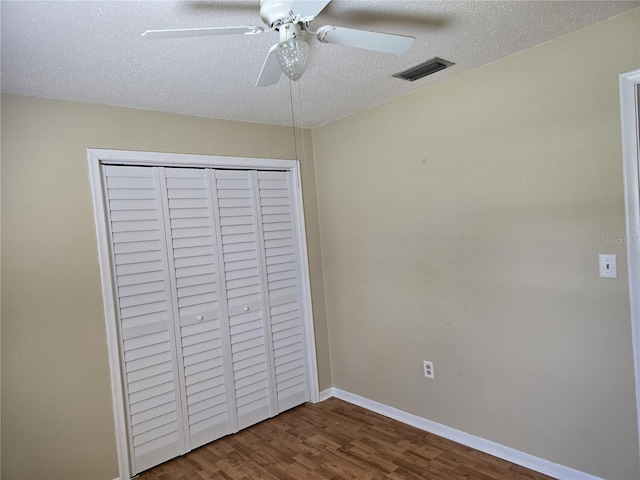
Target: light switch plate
(608, 266)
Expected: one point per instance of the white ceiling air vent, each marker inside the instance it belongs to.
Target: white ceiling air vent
(423, 69)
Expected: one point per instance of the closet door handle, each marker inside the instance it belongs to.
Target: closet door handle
(200, 318)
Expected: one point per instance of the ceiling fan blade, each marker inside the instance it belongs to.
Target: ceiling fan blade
(200, 32)
(308, 8)
(270, 73)
(380, 42)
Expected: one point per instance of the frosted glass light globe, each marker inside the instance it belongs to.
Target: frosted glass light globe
(293, 56)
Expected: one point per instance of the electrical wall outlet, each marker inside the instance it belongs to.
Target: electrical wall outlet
(428, 369)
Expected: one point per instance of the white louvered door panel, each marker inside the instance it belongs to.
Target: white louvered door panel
(209, 305)
(145, 314)
(202, 325)
(252, 373)
(283, 287)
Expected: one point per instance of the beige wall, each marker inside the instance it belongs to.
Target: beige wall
(462, 224)
(57, 420)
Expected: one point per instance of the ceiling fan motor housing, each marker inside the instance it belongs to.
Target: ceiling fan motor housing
(276, 12)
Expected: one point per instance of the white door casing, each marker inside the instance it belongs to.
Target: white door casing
(269, 187)
(630, 122)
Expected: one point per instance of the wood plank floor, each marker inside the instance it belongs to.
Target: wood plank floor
(336, 440)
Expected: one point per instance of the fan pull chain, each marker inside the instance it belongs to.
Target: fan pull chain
(304, 150)
(293, 124)
(293, 121)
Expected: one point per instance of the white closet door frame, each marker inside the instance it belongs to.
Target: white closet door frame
(99, 157)
(630, 122)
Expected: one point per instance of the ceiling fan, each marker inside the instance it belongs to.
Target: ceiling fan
(291, 19)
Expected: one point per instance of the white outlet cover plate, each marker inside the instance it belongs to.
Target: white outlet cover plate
(428, 369)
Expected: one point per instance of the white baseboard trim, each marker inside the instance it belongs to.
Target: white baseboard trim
(326, 394)
(487, 446)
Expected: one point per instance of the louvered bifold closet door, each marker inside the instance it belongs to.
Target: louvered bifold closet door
(145, 314)
(283, 287)
(251, 356)
(202, 328)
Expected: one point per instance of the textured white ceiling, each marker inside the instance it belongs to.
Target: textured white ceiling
(91, 51)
